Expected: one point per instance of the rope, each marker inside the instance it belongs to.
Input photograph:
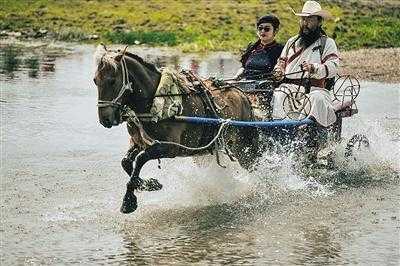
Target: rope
(221, 128)
(132, 118)
(265, 75)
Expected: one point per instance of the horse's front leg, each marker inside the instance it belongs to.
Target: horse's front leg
(129, 158)
(155, 151)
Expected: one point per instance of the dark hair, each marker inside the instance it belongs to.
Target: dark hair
(269, 19)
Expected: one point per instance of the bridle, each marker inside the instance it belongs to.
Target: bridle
(126, 86)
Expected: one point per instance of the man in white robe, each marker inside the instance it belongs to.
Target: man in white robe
(315, 54)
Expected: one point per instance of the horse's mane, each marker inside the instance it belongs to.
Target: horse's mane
(142, 61)
(105, 56)
(108, 56)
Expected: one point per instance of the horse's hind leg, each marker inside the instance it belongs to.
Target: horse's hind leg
(155, 151)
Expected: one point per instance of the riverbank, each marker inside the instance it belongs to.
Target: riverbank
(372, 64)
(194, 26)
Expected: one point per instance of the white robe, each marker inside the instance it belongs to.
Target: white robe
(326, 66)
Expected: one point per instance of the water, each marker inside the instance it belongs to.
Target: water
(62, 184)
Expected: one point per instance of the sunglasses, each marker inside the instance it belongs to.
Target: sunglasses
(266, 29)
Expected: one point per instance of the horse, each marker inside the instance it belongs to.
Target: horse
(124, 79)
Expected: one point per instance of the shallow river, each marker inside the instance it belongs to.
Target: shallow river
(62, 184)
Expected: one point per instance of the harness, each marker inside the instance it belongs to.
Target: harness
(126, 86)
(210, 108)
(134, 119)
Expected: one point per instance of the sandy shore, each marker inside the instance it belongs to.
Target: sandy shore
(372, 64)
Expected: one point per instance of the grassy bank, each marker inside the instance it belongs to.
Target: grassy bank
(195, 25)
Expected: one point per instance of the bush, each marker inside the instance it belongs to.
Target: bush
(150, 37)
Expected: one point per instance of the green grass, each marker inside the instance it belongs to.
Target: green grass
(137, 37)
(198, 25)
(370, 33)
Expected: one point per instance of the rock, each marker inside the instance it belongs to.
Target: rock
(40, 12)
(29, 33)
(119, 21)
(14, 34)
(55, 18)
(136, 42)
(224, 18)
(92, 15)
(3, 33)
(43, 31)
(51, 35)
(119, 27)
(40, 33)
(145, 22)
(93, 37)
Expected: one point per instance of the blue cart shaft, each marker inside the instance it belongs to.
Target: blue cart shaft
(285, 123)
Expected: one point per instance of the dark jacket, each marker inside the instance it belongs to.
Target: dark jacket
(257, 60)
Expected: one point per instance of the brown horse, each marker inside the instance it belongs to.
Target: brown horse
(124, 79)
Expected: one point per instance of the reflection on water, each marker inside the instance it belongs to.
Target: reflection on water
(212, 234)
(319, 247)
(48, 63)
(10, 62)
(38, 62)
(62, 182)
(33, 62)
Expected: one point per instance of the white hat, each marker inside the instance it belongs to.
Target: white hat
(312, 8)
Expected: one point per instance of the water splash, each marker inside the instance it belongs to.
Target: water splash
(204, 183)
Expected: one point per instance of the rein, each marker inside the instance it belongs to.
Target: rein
(126, 86)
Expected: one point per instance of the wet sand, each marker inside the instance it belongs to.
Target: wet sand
(372, 64)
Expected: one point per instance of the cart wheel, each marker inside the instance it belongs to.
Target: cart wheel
(358, 142)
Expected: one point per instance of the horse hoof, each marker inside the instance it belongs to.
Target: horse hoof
(129, 203)
(150, 184)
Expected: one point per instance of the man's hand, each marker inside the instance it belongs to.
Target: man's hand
(307, 67)
(278, 74)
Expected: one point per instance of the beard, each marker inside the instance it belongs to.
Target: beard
(306, 39)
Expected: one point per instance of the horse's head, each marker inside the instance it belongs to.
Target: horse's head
(109, 81)
(122, 79)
